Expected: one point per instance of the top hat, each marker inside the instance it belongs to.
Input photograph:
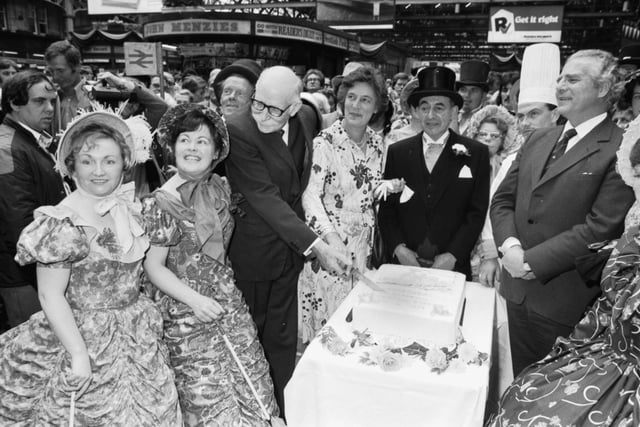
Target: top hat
(435, 81)
(247, 68)
(630, 54)
(540, 70)
(474, 73)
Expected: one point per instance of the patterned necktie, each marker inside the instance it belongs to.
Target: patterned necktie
(559, 149)
(431, 154)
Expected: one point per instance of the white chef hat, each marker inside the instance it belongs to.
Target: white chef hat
(540, 70)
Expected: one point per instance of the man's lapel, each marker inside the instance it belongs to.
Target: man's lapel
(301, 128)
(417, 168)
(543, 149)
(445, 172)
(584, 148)
(274, 142)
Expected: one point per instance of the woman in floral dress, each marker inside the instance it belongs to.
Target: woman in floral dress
(189, 224)
(592, 378)
(94, 355)
(338, 200)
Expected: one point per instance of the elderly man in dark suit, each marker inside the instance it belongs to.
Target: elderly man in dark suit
(561, 194)
(437, 219)
(268, 166)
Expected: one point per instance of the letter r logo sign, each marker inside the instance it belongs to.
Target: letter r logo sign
(501, 24)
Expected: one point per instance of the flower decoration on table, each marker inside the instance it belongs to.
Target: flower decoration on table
(460, 150)
(392, 356)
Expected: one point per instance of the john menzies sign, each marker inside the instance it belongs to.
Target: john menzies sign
(197, 26)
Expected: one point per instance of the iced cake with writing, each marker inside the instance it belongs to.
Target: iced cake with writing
(419, 303)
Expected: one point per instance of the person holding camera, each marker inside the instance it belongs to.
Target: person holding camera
(64, 64)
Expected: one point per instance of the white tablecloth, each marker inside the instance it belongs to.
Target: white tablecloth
(333, 391)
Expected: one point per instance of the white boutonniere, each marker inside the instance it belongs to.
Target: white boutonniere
(460, 150)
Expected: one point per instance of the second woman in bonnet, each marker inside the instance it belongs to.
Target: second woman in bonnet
(206, 321)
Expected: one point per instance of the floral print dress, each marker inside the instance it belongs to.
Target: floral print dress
(132, 383)
(591, 378)
(339, 198)
(212, 389)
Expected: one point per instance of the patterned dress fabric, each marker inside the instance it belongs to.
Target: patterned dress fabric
(338, 198)
(132, 383)
(591, 378)
(212, 389)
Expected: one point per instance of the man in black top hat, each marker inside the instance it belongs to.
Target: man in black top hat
(629, 59)
(472, 87)
(437, 219)
(234, 85)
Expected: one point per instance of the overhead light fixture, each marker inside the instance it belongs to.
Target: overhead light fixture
(362, 27)
(468, 4)
(438, 5)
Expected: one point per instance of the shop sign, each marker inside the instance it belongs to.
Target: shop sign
(98, 49)
(336, 41)
(117, 7)
(525, 24)
(286, 31)
(354, 46)
(197, 26)
(214, 49)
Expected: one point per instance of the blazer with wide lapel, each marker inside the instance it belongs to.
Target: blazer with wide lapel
(580, 200)
(269, 224)
(446, 209)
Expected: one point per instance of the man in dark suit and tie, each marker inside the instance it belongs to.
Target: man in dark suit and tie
(561, 194)
(437, 219)
(268, 167)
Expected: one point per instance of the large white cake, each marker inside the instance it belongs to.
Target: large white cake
(418, 303)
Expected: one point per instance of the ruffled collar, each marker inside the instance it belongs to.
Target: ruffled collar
(125, 211)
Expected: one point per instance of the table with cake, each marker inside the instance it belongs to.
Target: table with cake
(414, 351)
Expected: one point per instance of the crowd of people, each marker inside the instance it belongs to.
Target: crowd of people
(168, 248)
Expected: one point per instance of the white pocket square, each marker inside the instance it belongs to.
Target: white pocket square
(465, 172)
(407, 193)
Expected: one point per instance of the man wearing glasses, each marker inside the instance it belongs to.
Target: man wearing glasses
(268, 167)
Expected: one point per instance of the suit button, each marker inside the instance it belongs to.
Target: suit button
(530, 221)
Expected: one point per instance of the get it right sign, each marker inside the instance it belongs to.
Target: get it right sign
(525, 24)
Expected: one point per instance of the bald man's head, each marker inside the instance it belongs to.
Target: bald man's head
(276, 98)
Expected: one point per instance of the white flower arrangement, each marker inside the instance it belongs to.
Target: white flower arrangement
(460, 150)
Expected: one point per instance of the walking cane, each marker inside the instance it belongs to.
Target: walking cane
(265, 414)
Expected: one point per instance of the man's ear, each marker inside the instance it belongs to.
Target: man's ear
(555, 115)
(14, 107)
(604, 88)
(295, 107)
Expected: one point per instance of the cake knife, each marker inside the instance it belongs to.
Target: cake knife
(370, 283)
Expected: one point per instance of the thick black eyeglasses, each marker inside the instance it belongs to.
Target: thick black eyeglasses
(273, 111)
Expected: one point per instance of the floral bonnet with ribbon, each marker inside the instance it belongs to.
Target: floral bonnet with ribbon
(135, 130)
(170, 120)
